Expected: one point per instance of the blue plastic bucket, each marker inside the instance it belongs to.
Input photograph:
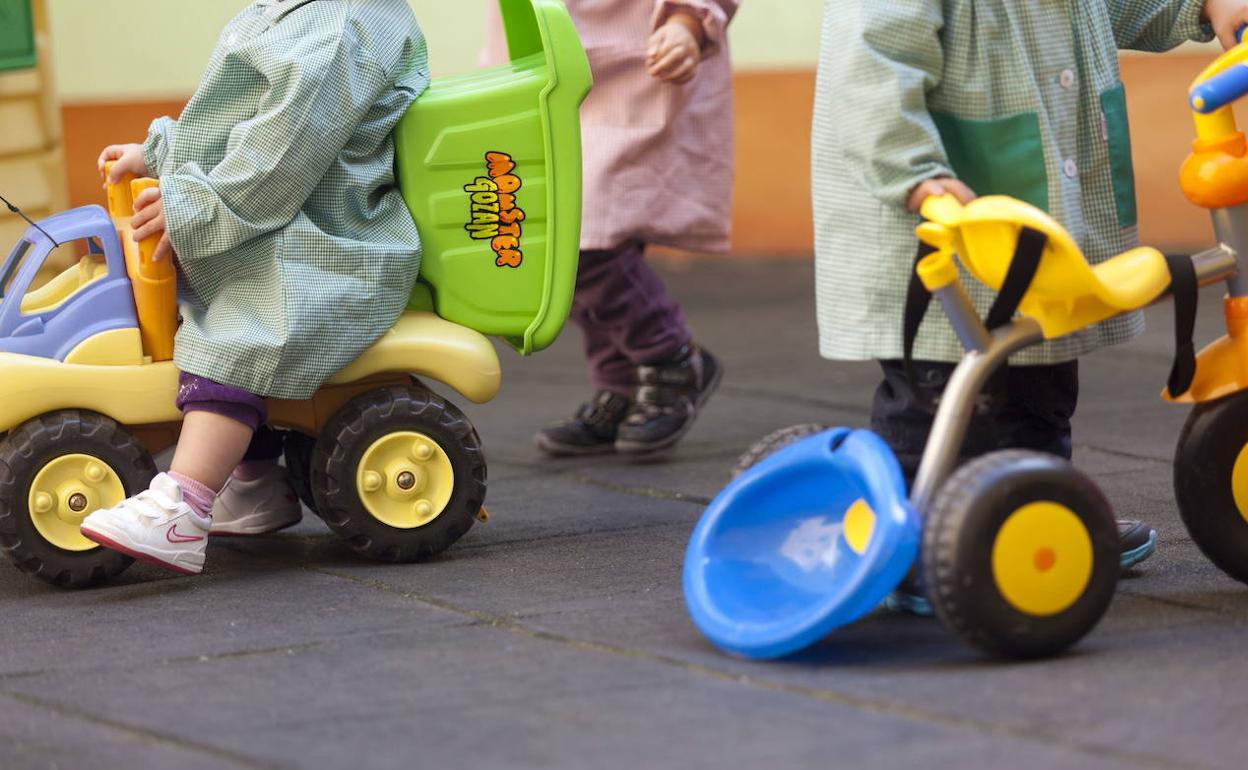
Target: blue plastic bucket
(812, 538)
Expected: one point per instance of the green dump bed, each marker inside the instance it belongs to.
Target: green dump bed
(490, 166)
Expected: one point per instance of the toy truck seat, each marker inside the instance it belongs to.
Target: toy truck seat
(1066, 293)
(489, 163)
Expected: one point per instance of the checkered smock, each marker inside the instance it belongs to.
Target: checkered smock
(1014, 97)
(295, 249)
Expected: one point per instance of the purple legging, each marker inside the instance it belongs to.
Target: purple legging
(626, 315)
(200, 394)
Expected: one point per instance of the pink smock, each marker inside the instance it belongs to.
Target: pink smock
(658, 156)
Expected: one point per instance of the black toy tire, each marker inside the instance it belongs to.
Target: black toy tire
(1211, 441)
(773, 442)
(958, 540)
(299, 449)
(27, 450)
(355, 427)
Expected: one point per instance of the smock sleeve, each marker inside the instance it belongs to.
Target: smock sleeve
(880, 61)
(318, 91)
(1157, 25)
(713, 14)
(156, 148)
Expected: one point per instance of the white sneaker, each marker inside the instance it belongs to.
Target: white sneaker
(256, 507)
(155, 526)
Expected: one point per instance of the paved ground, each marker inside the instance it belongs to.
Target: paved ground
(556, 636)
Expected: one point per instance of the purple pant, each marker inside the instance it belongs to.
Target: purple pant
(626, 315)
(201, 394)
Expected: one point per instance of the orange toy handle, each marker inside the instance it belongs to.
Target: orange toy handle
(153, 281)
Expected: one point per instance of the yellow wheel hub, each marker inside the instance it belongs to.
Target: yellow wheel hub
(1042, 559)
(65, 491)
(1239, 482)
(405, 480)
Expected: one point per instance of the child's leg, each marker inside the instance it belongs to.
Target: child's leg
(217, 429)
(902, 414)
(1039, 404)
(609, 368)
(168, 524)
(1035, 412)
(262, 454)
(602, 307)
(210, 448)
(628, 306)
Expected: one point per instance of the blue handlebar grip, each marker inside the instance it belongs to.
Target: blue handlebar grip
(1220, 90)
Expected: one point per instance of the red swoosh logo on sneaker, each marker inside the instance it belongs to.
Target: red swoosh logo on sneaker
(174, 536)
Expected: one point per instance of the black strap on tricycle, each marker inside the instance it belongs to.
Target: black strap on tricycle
(1184, 288)
(1018, 278)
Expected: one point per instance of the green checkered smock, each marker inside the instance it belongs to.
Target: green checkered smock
(295, 249)
(1013, 97)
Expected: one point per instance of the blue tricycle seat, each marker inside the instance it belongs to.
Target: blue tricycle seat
(812, 538)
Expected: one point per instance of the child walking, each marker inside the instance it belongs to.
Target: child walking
(977, 97)
(658, 147)
(294, 247)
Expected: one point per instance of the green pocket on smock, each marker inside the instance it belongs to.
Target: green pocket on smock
(1003, 156)
(1118, 136)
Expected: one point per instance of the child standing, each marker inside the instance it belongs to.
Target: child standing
(657, 133)
(977, 97)
(295, 250)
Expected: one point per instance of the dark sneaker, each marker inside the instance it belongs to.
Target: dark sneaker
(668, 399)
(1139, 541)
(590, 431)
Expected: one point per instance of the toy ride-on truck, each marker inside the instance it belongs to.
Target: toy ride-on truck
(490, 166)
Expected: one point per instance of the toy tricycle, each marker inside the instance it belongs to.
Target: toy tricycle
(1017, 550)
(490, 166)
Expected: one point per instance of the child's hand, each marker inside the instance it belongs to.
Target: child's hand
(939, 186)
(129, 159)
(675, 50)
(1226, 17)
(149, 220)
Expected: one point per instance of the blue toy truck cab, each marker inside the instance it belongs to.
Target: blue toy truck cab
(53, 318)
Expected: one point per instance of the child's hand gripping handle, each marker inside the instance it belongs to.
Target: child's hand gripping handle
(151, 268)
(154, 282)
(120, 198)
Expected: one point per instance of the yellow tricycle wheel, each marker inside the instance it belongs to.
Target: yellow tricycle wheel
(64, 491)
(1042, 558)
(1020, 554)
(405, 479)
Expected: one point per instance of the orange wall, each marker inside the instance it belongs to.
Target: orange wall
(771, 210)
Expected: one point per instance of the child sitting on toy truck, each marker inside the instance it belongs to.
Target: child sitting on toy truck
(294, 248)
(977, 97)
